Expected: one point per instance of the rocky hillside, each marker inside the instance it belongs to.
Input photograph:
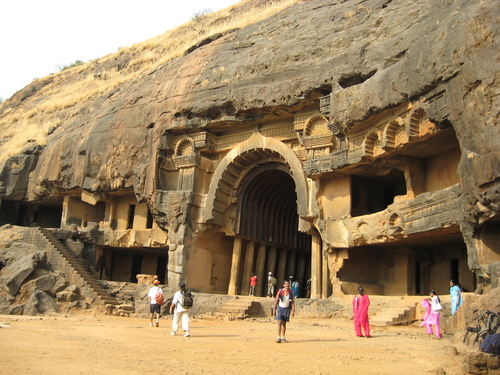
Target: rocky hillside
(370, 54)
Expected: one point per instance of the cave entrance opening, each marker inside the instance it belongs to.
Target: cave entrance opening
(268, 236)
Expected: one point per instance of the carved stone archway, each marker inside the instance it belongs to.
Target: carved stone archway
(259, 195)
(257, 149)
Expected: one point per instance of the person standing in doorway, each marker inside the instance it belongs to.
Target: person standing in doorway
(253, 283)
(271, 282)
(181, 309)
(154, 307)
(283, 308)
(456, 296)
(435, 315)
(360, 305)
(295, 288)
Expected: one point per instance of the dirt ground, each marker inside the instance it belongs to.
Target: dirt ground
(95, 344)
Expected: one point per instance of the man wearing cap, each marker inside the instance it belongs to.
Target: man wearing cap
(271, 282)
(154, 308)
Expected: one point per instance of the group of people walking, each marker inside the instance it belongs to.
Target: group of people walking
(181, 303)
(284, 308)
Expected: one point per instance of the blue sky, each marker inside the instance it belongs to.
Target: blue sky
(38, 36)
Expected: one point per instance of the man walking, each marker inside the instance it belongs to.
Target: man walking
(154, 307)
(182, 302)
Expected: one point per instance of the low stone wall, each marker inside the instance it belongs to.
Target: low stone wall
(205, 303)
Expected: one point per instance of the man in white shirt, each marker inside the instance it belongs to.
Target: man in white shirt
(154, 308)
(284, 307)
(180, 311)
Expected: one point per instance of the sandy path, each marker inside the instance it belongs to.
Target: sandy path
(112, 345)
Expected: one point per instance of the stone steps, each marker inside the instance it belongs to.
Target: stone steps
(238, 308)
(62, 259)
(388, 310)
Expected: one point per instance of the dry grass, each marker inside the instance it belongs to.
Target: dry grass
(70, 88)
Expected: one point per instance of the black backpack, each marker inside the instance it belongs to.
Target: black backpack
(187, 299)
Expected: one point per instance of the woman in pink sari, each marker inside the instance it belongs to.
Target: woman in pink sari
(427, 306)
(360, 305)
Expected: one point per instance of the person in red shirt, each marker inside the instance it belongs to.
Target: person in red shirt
(253, 283)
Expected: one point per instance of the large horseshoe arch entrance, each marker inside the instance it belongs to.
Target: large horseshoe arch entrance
(258, 197)
(267, 236)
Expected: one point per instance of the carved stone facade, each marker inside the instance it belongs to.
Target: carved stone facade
(346, 144)
(301, 197)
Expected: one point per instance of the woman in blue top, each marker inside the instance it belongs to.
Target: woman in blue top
(456, 297)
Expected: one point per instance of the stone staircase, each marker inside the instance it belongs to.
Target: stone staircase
(64, 260)
(239, 307)
(127, 292)
(394, 310)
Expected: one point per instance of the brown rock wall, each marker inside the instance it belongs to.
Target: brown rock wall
(371, 56)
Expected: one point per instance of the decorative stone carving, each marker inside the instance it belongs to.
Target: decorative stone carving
(170, 208)
(324, 105)
(418, 124)
(438, 111)
(185, 154)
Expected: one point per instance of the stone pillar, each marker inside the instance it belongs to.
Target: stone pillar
(271, 261)
(281, 268)
(260, 272)
(248, 267)
(65, 211)
(299, 273)
(235, 262)
(290, 269)
(316, 266)
(325, 279)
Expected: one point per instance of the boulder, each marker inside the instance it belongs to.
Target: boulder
(74, 289)
(60, 284)
(67, 296)
(79, 305)
(40, 303)
(11, 309)
(494, 270)
(18, 269)
(44, 283)
(481, 363)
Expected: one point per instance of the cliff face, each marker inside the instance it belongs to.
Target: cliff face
(370, 55)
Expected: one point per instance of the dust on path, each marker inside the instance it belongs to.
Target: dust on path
(112, 345)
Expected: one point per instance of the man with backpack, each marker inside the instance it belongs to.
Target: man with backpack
(155, 295)
(284, 306)
(181, 303)
(271, 282)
